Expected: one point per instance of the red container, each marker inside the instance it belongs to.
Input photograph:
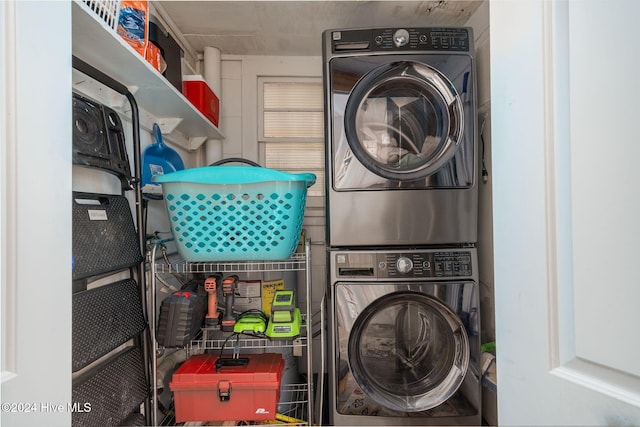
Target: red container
(248, 392)
(202, 97)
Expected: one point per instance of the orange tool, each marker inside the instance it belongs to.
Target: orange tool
(211, 286)
(229, 286)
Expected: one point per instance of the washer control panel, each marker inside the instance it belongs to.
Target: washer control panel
(423, 264)
(429, 264)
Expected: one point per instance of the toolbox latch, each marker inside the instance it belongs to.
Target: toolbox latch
(224, 390)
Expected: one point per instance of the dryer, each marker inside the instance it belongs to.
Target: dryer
(404, 341)
(400, 120)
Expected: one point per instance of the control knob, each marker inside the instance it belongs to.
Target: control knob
(404, 264)
(401, 37)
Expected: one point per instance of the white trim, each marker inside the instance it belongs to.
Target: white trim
(561, 139)
(619, 385)
(551, 182)
(558, 185)
(8, 193)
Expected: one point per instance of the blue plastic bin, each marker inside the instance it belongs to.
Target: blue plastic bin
(234, 213)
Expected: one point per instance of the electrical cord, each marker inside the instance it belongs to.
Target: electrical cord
(485, 173)
(237, 336)
(255, 311)
(224, 344)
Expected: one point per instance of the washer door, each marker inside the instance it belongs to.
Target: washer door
(408, 351)
(404, 120)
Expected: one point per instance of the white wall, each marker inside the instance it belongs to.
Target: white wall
(480, 23)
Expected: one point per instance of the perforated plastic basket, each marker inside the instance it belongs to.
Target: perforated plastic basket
(233, 213)
(107, 10)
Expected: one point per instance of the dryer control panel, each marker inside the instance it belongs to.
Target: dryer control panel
(426, 264)
(394, 39)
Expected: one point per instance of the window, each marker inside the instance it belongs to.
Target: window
(291, 127)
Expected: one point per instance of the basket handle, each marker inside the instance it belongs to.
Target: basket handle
(235, 160)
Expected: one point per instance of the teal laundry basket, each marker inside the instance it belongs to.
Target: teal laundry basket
(234, 213)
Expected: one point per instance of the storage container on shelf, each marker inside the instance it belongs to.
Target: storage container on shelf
(235, 213)
(196, 90)
(207, 389)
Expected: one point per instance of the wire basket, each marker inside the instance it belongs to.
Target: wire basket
(107, 10)
(233, 213)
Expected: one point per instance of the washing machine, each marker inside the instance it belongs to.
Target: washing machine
(400, 122)
(404, 344)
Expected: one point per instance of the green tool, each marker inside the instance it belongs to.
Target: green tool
(251, 322)
(285, 316)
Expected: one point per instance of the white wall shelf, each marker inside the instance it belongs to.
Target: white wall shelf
(97, 44)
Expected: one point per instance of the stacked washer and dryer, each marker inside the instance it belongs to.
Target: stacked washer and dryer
(401, 161)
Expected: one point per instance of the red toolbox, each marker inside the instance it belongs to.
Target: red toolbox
(207, 387)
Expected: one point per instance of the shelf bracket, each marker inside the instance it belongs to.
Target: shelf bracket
(196, 141)
(176, 137)
(169, 124)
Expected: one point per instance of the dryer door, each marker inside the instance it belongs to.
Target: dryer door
(404, 120)
(408, 351)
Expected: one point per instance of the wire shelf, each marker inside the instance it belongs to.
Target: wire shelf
(297, 262)
(292, 409)
(247, 343)
(233, 340)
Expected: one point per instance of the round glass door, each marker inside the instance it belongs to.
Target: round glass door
(408, 351)
(404, 120)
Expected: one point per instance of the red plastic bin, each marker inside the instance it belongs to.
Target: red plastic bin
(231, 393)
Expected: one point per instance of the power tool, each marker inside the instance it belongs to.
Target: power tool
(211, 284)
(229, 286)
(285, 317)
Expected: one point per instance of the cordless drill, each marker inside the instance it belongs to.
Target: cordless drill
(229, 286)
(211, 286)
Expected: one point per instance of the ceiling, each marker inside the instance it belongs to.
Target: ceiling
(294, 28)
